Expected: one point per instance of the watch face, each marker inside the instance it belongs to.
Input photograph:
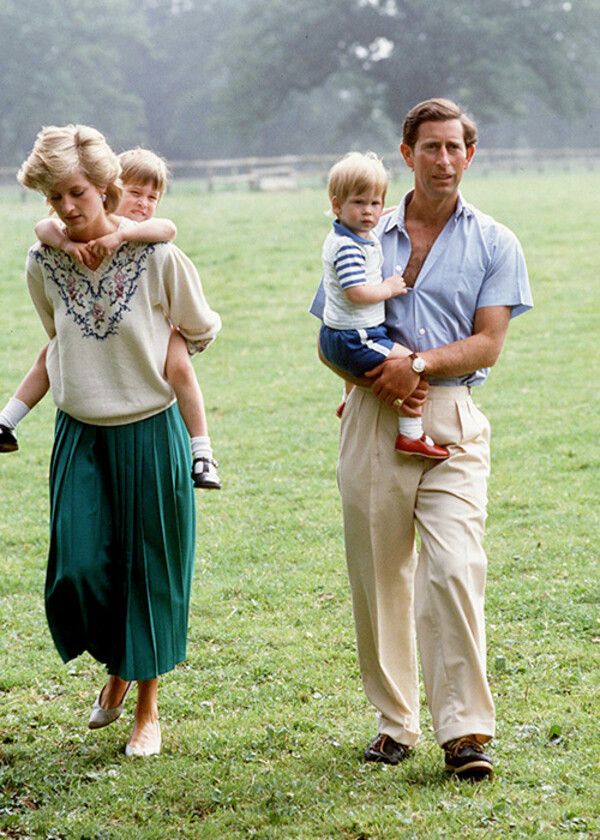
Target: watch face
(418, 365)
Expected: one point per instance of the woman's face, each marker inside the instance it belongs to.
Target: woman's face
(79, 204)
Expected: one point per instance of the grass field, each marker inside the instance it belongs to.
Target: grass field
(265, 723)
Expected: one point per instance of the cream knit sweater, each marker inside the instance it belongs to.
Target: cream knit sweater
(110, 328)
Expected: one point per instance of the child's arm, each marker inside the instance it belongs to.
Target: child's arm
(51, 232)
(152, 230)
(389, 288)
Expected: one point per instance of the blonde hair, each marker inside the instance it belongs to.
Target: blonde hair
(141, 166)
(356, 173)
(60, 151)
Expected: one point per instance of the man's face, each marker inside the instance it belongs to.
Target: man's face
(438, 159)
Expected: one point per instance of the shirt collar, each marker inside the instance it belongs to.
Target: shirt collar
(396, 219)
(342, 230)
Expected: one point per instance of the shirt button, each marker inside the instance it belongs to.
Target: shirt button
(422, 331)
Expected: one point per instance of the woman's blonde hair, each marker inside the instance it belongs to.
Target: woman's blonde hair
(356, 173)
(60, 151)
(141, 166)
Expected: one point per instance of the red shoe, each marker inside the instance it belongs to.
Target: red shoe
(340, 409)
(423, 446)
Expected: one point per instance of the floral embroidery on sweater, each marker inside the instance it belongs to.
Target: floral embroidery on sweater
(97, 305)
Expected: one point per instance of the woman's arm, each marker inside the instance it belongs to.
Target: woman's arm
(35, 283)
(183, 301)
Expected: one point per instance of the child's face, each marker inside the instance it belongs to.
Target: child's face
(139, 201)
(360, 212)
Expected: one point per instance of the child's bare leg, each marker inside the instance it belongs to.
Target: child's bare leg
(181, 376)
(348, 386)
(35, 385)
(31, 390)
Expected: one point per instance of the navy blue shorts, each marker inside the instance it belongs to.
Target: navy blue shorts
(355, 351)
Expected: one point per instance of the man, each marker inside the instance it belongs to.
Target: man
(467, 277)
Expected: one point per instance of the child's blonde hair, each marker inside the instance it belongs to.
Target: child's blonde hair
(356, 173)
(141, 166)
(59, 151)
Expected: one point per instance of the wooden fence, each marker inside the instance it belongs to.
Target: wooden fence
(289, 171)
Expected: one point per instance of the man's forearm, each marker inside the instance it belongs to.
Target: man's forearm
(461, 357)
(479, 350)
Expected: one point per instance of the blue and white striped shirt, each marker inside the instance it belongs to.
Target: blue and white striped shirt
(350, 260)
(474, 262)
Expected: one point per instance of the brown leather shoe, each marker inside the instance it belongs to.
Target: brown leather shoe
(422, 446)
(386, 751)
(466, 759)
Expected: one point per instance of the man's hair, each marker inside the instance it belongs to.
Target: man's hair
(60, 151)
(356, 173)
(141, 166)
(437, 110)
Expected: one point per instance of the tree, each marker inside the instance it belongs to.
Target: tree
(60, 62)
(488, 54)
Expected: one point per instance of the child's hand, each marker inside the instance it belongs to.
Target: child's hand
(78, 251)
(396, 285)
(106, 245)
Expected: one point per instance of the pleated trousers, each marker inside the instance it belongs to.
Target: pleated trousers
(122, 542)
(417, 568)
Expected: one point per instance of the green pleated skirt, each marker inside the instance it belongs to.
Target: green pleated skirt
(122, 540)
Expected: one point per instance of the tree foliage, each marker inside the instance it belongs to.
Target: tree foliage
(488, 54)
(61, 62)
(214, 78)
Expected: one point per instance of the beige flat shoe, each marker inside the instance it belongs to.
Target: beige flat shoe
(147, 744)
(102, 717)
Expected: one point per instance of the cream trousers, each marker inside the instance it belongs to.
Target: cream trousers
(387, 499)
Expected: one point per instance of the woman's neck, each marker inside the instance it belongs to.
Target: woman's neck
(100, 227)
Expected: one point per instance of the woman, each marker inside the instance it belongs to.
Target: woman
(122, 520)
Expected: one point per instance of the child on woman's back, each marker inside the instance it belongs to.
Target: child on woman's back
(144, 176)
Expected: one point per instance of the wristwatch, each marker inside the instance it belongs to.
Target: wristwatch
(418, 363)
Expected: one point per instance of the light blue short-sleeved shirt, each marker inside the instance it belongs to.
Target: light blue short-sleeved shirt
(474, 262)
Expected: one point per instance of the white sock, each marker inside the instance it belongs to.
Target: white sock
(13, 412)
(201, 447)
(412, 427)
(344, 394)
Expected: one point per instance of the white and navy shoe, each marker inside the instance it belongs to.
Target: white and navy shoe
(8, 440)
(205, 475)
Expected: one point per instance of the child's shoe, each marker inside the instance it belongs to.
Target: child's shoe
(340, 409)
(8, 440)
(423, 446)
(205, 475)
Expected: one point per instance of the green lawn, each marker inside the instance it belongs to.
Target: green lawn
(264, 725)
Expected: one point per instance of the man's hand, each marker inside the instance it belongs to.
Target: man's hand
(393, 379)
(413, 405)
